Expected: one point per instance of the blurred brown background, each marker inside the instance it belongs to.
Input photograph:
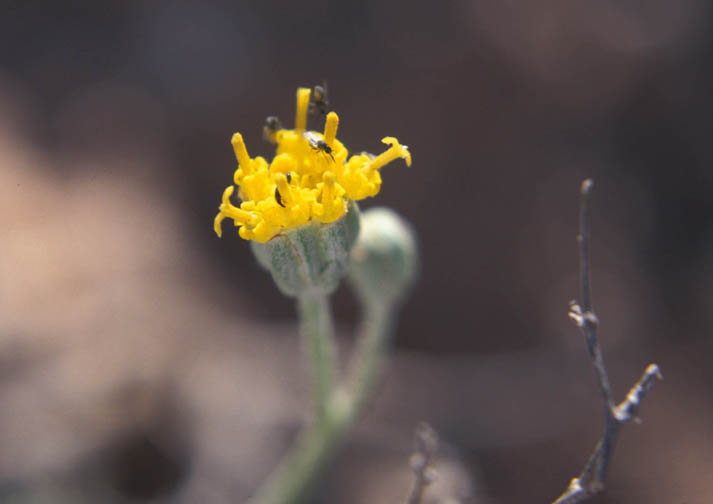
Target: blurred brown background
(142, 359)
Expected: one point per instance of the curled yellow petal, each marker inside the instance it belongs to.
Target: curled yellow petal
(217, 224)
(227, 209)
(395, 151)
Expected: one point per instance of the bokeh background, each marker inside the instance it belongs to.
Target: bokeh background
(142, 359)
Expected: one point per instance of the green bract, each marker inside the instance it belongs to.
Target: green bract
(312, 258)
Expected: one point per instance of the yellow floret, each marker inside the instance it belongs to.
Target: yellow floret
(309, 179)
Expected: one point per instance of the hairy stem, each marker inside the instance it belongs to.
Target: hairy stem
(295, 475)
(367, 363)
(317, 333)
(338, 407)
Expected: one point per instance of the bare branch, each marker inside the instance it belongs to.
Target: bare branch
(629, 407)
(591, 479)
(583, 238)
(583, 315)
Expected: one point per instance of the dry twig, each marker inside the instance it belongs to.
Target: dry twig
(591, 479)
(426, 445)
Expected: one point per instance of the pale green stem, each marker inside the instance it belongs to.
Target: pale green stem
(293, 478)
(317, 333)
(367, 363)
(299, 469)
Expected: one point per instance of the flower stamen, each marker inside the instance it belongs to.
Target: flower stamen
(395, 151)
(241, 153)
(310, 179)
(302, 109)
(227, 209)
(330, 128)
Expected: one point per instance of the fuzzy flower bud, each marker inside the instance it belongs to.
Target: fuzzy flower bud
(384, 262)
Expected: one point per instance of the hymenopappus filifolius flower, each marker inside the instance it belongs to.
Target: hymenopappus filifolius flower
(309, 179)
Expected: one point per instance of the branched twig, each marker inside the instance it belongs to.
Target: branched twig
(426, 445)
(591, 479)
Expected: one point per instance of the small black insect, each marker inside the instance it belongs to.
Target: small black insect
(272, 124)
(278, 198)
(318, 143)
(318, 100)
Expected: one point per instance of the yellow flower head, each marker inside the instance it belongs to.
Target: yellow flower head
(309, 179)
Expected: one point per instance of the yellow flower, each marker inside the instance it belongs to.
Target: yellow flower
(309, 179)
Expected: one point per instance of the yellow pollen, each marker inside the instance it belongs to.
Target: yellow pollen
(302, 109)
(330, 128)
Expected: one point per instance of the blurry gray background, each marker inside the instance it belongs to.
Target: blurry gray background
(142, 359)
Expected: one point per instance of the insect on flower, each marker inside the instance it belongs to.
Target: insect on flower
(317, 143)
(278, 198)
(294, 189)
(272, 125)
(318, 100)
